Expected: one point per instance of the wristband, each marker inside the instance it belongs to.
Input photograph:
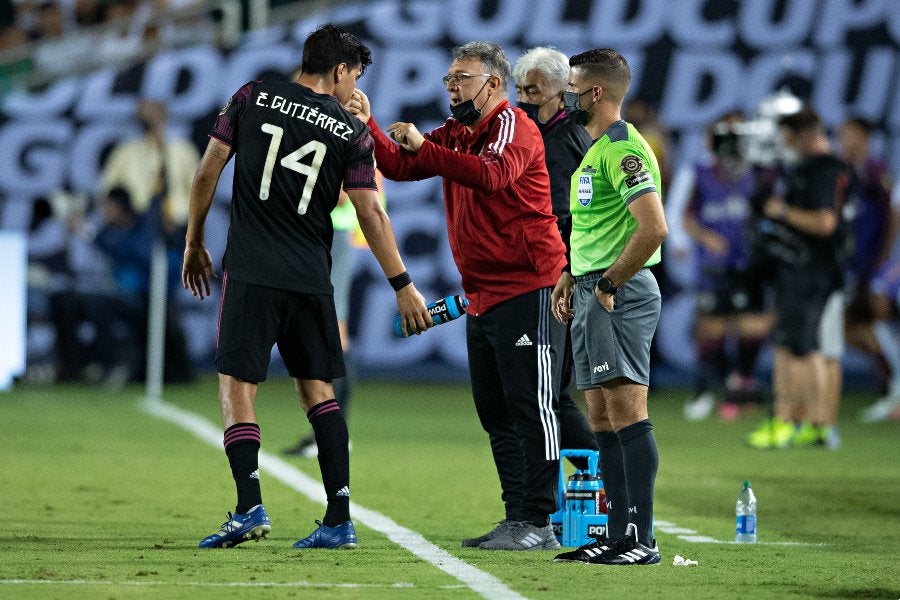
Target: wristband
(398, 282)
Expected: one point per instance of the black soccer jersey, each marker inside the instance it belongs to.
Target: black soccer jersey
(822, 181)
(294, 148)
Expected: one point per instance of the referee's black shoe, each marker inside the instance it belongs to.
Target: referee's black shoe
(627, 550)
(586, 552)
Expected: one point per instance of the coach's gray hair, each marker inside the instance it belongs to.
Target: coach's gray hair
(492, 58)
(550, 62)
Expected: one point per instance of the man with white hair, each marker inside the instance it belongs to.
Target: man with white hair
(541, 76)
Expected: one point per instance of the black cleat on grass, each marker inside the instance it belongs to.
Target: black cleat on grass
(628, 550)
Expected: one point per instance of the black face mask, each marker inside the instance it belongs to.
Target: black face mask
(465, 112)
(572, 106)
(532, 110)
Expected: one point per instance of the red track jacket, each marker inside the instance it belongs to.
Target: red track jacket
(500, 220)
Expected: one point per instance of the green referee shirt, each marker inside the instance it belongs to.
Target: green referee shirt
(618, 168)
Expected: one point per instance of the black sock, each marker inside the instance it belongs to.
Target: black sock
(612, 469)
(332, 438)
(747, 351)
(713, 364)
(242, 448)
(641, 463)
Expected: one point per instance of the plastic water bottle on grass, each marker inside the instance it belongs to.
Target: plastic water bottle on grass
(745, 516)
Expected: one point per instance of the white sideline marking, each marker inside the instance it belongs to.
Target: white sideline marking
(279, 584)
(480, 582)
(689, 535)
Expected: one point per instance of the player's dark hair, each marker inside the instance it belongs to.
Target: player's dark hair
(609, 67)
(802, 121)
(492, 57)
(330, 45)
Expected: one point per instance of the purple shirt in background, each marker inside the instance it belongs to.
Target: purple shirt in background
(722, 204)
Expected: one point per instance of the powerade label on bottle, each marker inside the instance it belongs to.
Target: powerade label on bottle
(746, 525)
(438, 312)
(580, 495)
(441, 311)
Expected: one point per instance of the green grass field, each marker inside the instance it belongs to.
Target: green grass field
(105, 500)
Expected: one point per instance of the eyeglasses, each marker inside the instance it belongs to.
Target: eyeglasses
(457, 79)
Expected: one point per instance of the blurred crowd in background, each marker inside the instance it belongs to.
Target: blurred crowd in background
(89, 254)
(41, 40)
(90, 260)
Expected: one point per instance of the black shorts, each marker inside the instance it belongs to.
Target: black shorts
(253, 318)
(800, 298)
(729, 294)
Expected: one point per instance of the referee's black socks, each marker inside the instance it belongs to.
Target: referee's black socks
(613, 469)
(641, 461)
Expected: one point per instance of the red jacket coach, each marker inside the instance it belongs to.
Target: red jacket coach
(509, 252)
(500, 220)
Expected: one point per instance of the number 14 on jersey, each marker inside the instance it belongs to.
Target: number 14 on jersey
(292, 162)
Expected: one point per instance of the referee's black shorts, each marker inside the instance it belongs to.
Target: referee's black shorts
(253, 318)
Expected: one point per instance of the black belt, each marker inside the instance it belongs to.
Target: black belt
(590, 276)
(596, 275)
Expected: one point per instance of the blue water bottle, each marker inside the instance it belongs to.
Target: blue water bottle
(573, 507)
(441, 311)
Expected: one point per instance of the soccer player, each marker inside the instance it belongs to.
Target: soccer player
(295, 146)
(730, 295)
(809, 332)
(618, 226)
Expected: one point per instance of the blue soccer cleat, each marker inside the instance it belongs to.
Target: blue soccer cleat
(342, 536)
(239, 528)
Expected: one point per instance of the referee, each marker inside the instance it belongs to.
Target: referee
(613, 300)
